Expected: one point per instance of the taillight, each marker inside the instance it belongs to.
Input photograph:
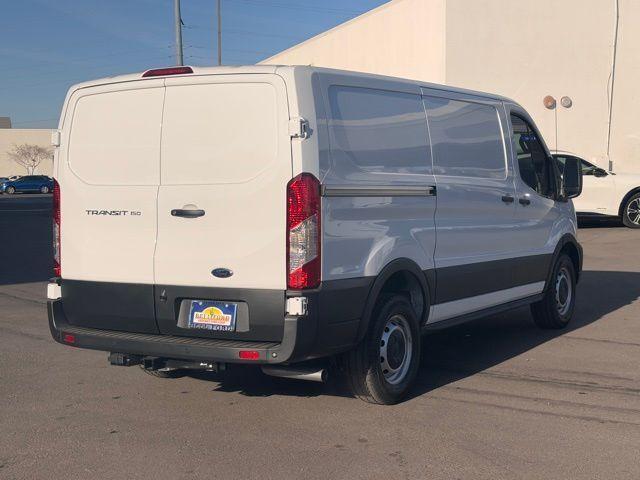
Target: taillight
(57, 271)
(303, 232)
(249, 355)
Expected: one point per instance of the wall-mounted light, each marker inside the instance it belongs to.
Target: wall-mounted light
(549, 102)
(566, 102)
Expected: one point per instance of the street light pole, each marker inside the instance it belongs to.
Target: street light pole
(219, 33)
(178, 29)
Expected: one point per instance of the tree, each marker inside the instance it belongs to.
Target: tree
(29, 156)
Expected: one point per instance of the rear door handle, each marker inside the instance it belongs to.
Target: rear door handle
(524, 201)
(507, 198)
(186, 213)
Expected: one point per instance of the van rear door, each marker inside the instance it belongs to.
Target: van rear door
(225, 164)
(109, 172)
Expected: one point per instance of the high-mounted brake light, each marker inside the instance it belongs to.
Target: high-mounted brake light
(57, 270)
(303, 232)
(163, 72)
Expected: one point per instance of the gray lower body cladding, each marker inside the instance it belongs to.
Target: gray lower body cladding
(147, 319)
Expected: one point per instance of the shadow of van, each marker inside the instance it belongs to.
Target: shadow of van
(465, 350)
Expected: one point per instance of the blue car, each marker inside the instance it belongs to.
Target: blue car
(27, 184)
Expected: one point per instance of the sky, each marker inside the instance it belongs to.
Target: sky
(48, 45)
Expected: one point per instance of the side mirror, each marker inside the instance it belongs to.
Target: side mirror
(572, 178)
(599, 172)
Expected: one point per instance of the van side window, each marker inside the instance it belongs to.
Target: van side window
(534, 164)
(377, 131)
(466, 139)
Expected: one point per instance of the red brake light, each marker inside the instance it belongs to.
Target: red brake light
(303, 232)
(249, 354)
(68, 338)
(163, 72)
(57, 270)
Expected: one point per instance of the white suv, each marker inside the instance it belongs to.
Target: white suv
(606, 193)
(275, 215)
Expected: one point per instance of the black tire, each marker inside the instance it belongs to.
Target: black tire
(631, 212)
(163, 373)
(10, 190)
(365, 364)
(44, 189)
(555, 310)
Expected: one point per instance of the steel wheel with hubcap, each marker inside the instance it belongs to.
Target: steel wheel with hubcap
(395, 349)
(556, 308)
(631, 213)
(383, 366)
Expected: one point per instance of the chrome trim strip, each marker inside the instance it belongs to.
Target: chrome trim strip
(378, 190)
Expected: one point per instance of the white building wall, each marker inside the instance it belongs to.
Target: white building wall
(523, 50)
(404, 38)
(625, 127)
(527, 50)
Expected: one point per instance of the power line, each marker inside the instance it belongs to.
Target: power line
(35, 121)
(82, 59)
(304, 8)
(78, 77)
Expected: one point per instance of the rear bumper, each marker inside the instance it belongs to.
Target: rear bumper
(329, 327)
(184, 348)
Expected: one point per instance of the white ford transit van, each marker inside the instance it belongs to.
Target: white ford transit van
(277, 215)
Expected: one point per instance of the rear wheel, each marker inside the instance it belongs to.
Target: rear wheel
(10, 190)
(631, 212)
(384, 365)
(556, 308)
(44, 189)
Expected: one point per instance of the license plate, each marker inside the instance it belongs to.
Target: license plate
(213, 315)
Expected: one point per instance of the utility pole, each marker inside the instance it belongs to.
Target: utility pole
(219, 33)
(178, 27)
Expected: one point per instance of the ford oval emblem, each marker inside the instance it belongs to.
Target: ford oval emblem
(221, 272)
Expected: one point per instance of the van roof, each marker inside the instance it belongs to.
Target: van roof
(265, 69)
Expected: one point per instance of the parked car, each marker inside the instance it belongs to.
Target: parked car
(27, 184)
(607, 193)
(293, 217)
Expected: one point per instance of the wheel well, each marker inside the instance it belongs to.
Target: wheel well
(571, 250)
(405, 283)
(626, 198)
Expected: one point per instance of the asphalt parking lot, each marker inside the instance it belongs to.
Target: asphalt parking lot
(496, 399)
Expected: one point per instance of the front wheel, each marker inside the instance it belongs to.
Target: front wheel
(555, 309)
(10, 190)
(631, 212)
(384, 365)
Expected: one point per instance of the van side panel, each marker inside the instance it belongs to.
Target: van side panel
(479, 262)
(378, 140)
